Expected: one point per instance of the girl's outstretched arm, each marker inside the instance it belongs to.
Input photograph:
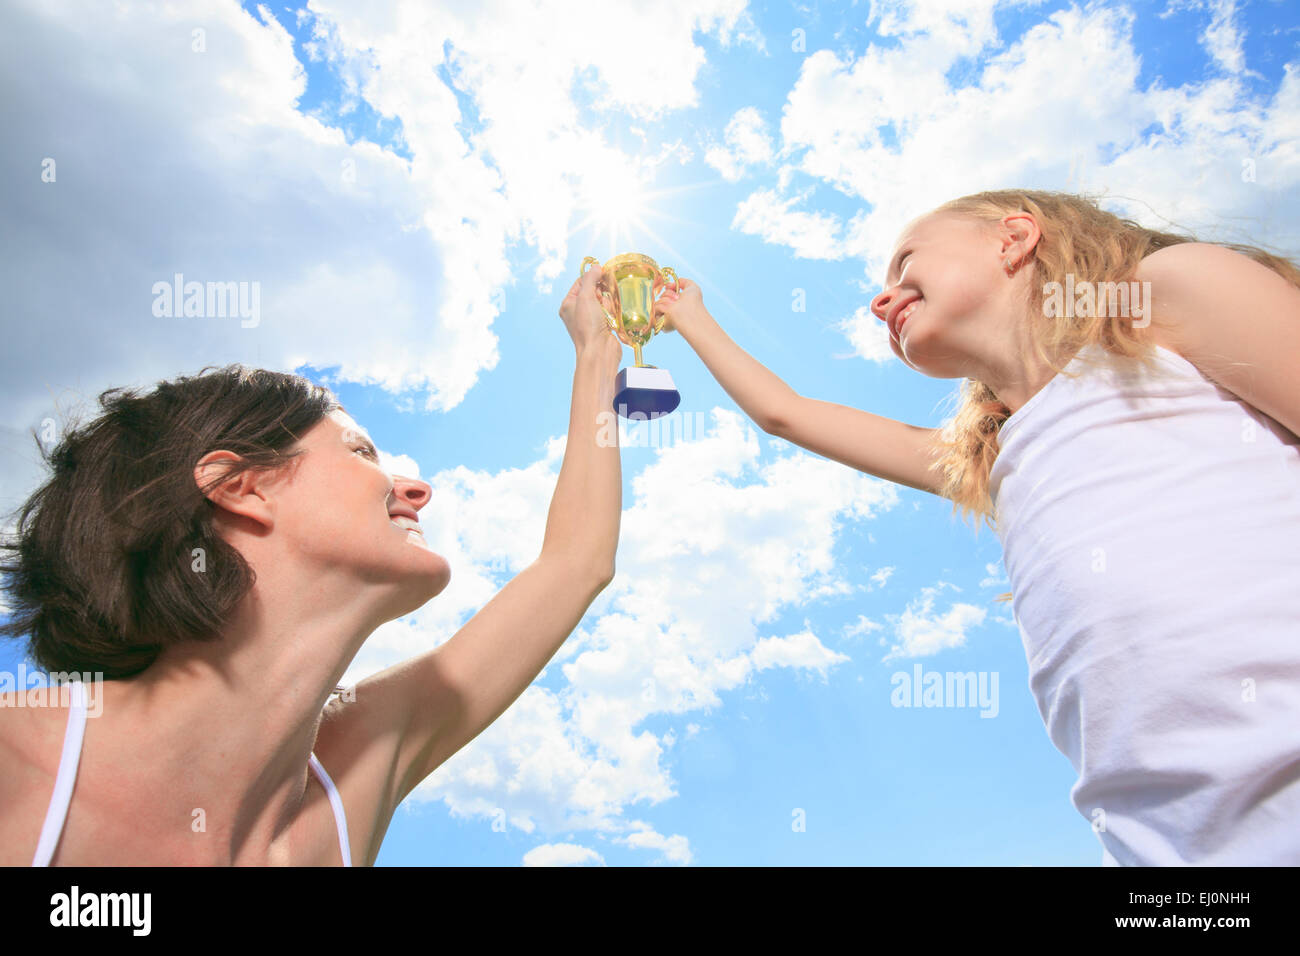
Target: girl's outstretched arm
(870, 443)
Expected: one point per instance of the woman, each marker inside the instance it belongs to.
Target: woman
(220, 549)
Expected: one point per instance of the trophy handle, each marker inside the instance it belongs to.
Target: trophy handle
(665, 272)
(601, 292)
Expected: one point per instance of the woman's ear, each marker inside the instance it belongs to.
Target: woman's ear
(244, 494)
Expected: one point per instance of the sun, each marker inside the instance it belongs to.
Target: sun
(615, 201)
(614, 198)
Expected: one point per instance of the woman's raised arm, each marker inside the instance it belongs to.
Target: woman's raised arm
(453, 692)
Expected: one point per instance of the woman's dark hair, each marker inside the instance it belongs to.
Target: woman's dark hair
(103, 572)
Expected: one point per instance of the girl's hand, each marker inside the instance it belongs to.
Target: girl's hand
(585, 320)
(681, 311)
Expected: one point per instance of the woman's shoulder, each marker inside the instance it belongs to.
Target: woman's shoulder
(31, 745)
(26, 725)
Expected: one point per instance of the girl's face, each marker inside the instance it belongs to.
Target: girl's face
(350, 518)
(941, 294)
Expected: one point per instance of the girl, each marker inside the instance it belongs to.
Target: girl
(218, 550)
(1142, 472)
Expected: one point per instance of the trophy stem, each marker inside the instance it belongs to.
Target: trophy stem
(636, 352)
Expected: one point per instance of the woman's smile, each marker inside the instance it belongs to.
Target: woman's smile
(406, 520)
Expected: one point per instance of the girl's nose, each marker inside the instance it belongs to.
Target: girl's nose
(880, 305)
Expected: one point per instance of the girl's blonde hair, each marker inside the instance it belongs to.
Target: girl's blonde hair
(1079, 238)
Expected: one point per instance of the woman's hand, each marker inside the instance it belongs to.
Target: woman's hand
(681, 310)
(585, 320)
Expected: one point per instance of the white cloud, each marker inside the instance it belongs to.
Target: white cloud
(1222, 39)
(562, 854)
(946, 27)
(996, 576)
(801, 650)
(863, 625)
(399, 464)
(1058, 107)
(199, 163)
(809, 235)
(674, 849)
(528, 124)
(748, 143)
(921, 632)
(736, 26)
(869, 335)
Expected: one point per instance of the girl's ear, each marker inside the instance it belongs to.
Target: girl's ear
(1019, 235)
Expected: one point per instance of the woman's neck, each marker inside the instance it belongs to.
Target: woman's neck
(227, 725)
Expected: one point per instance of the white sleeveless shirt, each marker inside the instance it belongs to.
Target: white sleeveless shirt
(1150, 526)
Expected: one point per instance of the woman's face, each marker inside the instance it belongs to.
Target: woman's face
(344, 511)
(942, 277)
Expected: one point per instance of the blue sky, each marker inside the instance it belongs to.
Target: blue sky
(413, 186)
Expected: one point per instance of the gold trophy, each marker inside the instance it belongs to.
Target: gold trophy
(627, 288)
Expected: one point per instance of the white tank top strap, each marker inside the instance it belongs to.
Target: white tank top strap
(66, 779)
(336, 803)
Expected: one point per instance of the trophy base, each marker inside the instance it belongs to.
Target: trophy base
(643, 392)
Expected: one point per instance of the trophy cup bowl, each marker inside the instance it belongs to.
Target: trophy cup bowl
(627, 288)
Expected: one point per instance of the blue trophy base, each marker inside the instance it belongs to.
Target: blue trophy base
(643, 392)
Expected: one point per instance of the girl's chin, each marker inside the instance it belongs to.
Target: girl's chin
(902, 357)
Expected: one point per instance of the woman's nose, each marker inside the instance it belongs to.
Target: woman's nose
(413, 491)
